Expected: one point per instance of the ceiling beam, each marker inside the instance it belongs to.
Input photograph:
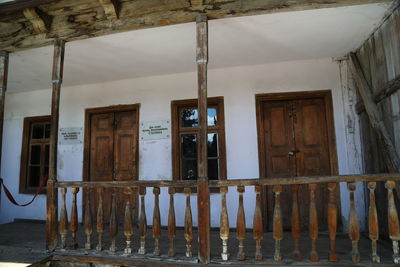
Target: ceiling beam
(40, 21)
(75, 20)
(110, 8)
(17, 5)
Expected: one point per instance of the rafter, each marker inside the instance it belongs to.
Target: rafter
(110, 8)
(40, 21)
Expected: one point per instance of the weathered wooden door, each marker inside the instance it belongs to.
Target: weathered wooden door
(296, 143)
(113, 153)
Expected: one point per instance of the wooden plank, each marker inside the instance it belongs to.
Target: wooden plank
(3, 89)
(40, 20)
(110, 8)
(387, 91)
(390, 155)
(395, 29)
(52, 194)
(242, 182)
(203, 191)
(80, 19)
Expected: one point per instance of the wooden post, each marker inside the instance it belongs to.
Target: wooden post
(203, 192)
(128, 228)
(52, 196)
(295, 220)
(390, 155)
(393, 221)
(87, 222)
(332, 221)
(3, 89)
(354, 225)
(224, 224)
(277, 223)
(373, 222)
(74, 218)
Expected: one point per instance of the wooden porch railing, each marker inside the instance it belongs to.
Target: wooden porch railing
(138, 189)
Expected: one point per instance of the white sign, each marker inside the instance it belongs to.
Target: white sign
(154, 130)
(71, 136)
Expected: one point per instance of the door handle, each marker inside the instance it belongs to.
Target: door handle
(293, 152)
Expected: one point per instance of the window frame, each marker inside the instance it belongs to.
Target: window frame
(177, 132)
(24, 187)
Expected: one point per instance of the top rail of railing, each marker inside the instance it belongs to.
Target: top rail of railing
(237, 182)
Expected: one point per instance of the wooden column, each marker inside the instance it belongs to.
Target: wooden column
(390, 155)
(203, 192)
(52, 196)
(3, 89)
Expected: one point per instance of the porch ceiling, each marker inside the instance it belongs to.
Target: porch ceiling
(237, 41)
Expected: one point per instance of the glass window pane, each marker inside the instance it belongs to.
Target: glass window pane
(189, 169)
(189, 146)
(35, 154)
(47, 131)
(47, 155)
(37, 131)
(189, 118)
(213, 169)
(212, 145)
(212, 116)
(34, 176)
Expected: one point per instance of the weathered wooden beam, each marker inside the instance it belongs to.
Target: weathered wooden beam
(110, 8)
(40, 20)
(52, 194)
(13, 6)
(196, 2)
(386, 91)
(75, 22)
(390, 155)
(203, 191)
(3, 89)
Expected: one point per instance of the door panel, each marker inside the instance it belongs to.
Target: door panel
(313, 159)
(113, 155)
(296, 144)
(102, 147)
(125, 145)
(125, 151)
(279, 141)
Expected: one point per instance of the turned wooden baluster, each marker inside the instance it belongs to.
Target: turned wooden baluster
(393, 220)
(295, 220)
(135, 206)
(156, 222)
(100, 220)
(63, 221)
(142, 221)
(332, 221)
(171, 223)
(258, 229)
(87, 222)
(74, 218)
(354, 225)
(188, 224)
(128, 228)
(241, 225)
(277, 223)
(313, 223)
(224, 224)
(113, 222)
(373, 224)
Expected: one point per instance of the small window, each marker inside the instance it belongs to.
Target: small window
(35, 153)
(185, 132)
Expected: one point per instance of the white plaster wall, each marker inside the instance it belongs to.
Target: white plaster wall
(238, 86)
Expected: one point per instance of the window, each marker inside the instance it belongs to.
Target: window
(35, 153)
(185, 132)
